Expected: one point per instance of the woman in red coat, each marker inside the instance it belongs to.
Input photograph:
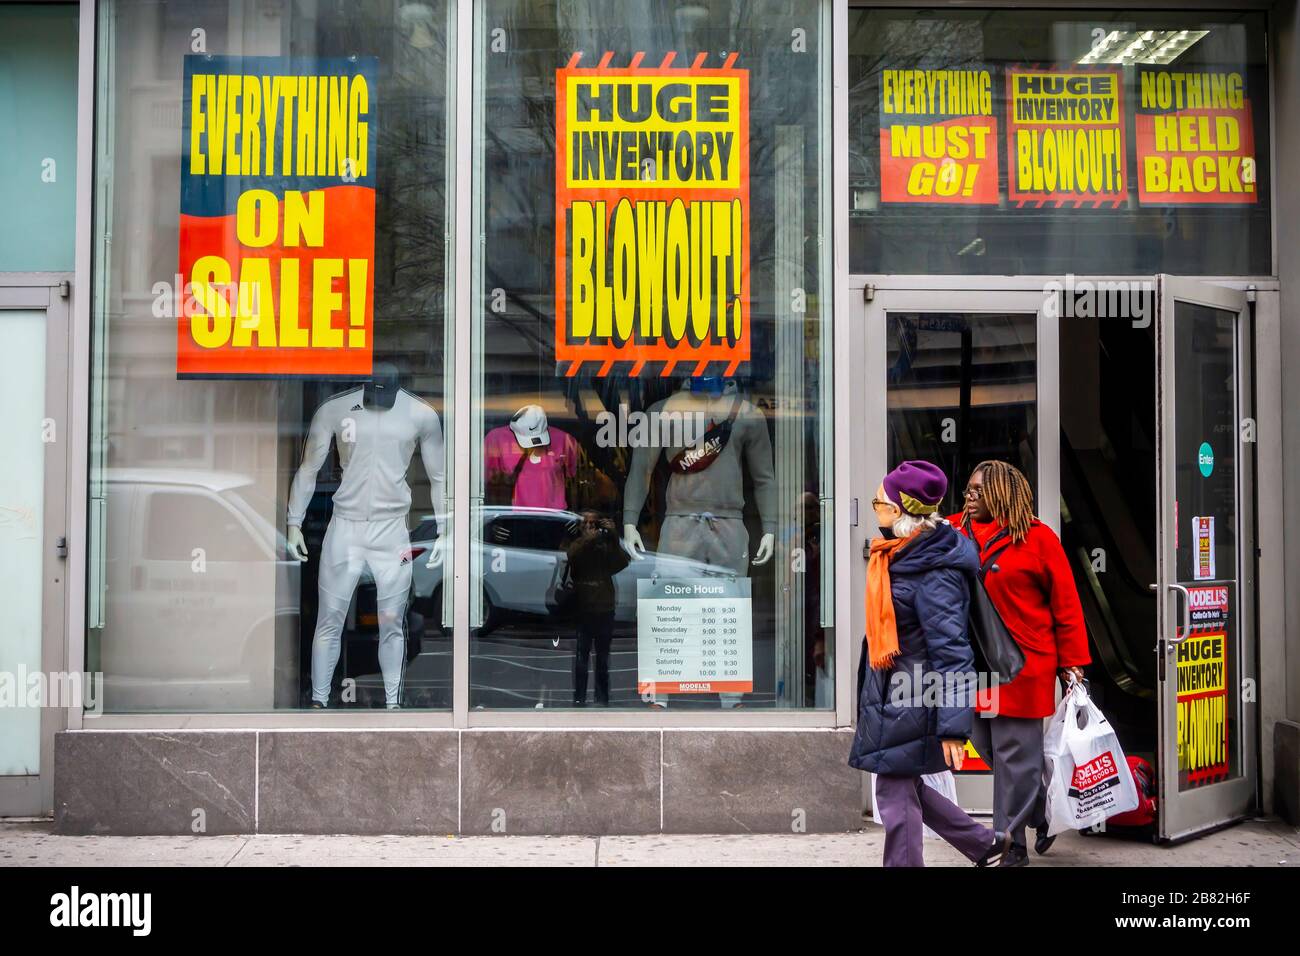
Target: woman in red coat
(1032, 587)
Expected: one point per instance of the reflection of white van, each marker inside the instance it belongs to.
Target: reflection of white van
(199, 589)
(519, 552)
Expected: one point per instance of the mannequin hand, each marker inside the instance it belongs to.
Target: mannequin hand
(435, 553)
(297, 546)
(632, 538)
(765, 548)
(954, 753)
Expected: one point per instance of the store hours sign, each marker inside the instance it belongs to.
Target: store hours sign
(694, 636)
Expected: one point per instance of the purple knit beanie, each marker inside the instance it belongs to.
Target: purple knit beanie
(916, 486)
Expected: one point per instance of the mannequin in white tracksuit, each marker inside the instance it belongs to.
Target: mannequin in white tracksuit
(376, 429)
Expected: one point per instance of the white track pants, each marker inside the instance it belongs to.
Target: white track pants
(384, 546)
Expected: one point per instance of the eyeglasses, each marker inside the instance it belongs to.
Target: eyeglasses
(881, 502)
(974, 493)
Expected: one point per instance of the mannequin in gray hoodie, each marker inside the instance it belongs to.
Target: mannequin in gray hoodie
(704, 508)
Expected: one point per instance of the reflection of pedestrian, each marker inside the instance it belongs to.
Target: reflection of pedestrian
(595, 556)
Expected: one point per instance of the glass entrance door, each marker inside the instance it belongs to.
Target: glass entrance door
(33, 474)
(956, 378)
(1205, 652)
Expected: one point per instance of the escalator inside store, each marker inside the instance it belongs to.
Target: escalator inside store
(1108, 513)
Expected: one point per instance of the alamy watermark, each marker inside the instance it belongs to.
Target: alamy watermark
(36, 689)
(655, 429)
(1130, 299)
(961, 689)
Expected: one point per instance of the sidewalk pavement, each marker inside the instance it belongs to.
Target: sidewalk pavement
(1263, 842)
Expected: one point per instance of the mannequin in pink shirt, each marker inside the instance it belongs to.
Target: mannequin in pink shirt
(537, 459)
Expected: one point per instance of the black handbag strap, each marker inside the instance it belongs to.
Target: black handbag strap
(987, 562)
(514, 475)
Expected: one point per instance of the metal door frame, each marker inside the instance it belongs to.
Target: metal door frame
(1187, 813)
(50, 292)
(870, 302)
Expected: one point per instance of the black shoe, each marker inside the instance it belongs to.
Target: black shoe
(315, 705)
(1016, 855)
(1042, 842)
(993, 856)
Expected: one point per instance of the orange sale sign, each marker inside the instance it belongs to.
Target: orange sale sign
(1065, 137)
(652, 218)
(938, 137)
(1195, 139)
(277, 225)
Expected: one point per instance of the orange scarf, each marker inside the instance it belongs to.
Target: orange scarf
(882, 628)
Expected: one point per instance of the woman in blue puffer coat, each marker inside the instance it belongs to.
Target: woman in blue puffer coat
(916, 679)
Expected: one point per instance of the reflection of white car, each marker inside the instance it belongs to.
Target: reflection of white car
(519, 552)
(198, 588)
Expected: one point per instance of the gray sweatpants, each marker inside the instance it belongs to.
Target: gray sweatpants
(1013, 747)
(907, 806)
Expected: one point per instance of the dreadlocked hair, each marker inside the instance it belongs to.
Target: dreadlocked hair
(1008, 496)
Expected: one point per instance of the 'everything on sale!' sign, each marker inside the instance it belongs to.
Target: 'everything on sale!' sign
(652, 218)
(277, 230)
(938, 137)
(1065, 137)
(1195, 138)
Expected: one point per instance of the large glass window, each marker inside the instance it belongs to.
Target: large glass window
(651, 390)
(269, 426)
(1023, 142)
(962, 389)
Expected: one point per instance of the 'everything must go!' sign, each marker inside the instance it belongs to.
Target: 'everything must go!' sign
(938, 137)
(277, 226)
(652, 218)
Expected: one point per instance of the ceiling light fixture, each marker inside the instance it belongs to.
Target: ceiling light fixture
(1148, 47)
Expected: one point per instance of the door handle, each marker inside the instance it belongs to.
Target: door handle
(1187, 614)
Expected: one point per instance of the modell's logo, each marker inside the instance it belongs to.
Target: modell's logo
(1208, 605)
(1096, 774)
(1208, 598)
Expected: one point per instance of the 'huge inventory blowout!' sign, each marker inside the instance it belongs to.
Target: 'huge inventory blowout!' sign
(1065, 137)
(1202, 663)
(938, 137)
(652, 217)
(277, 230)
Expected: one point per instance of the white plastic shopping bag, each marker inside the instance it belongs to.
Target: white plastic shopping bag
(943, 781)
(1087, 776)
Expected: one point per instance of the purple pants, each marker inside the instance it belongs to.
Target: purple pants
(907, 805)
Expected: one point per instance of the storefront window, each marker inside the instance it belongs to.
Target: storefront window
(1023, 142)
(963, 388)
(269, 427)
(651, 384)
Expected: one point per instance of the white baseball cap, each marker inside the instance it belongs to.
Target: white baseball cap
(529, 426)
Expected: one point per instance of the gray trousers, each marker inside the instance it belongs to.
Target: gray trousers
(1013, 747)
(907, 806)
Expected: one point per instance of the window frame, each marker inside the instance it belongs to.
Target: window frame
(465, 19)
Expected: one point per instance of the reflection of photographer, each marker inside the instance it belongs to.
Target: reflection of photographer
(595, 556)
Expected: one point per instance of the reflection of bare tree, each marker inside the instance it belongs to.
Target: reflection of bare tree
(519, 123)
(881, 40)
(412, 170)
